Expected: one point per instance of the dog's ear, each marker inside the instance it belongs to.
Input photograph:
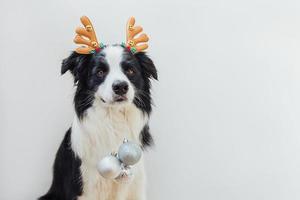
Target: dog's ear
(147, 65)
(70, 63)
(74, 63)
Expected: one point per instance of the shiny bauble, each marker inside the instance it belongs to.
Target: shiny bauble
(129, 153)
(109, 167)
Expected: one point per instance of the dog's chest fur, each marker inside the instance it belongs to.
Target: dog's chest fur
(99, 133)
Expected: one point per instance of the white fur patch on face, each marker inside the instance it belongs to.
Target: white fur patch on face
(114, 57)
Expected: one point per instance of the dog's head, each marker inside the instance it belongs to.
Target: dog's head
(112, 77)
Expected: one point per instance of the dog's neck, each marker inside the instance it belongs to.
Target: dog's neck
(103, 128)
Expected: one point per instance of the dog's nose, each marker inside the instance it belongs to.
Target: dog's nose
(120, 88)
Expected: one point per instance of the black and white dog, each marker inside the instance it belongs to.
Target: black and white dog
(112, 102)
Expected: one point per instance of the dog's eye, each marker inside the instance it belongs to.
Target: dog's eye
(130, 71)
(100, 73)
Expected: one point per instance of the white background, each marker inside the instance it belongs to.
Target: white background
(226, 121)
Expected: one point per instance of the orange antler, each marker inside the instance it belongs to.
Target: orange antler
(131, 40)
(87, 37)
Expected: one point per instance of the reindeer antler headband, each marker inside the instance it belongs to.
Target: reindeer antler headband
(87, 37)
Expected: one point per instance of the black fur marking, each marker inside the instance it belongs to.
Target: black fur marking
(83, 99)
(147, 65)
(146, 138)
(147, 71)
(84, 68)
(67, 183)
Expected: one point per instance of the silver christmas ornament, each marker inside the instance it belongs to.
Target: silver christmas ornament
(109, 167)
(129, 153)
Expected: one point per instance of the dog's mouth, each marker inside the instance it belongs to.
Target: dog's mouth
(120, 98)
(116, 99)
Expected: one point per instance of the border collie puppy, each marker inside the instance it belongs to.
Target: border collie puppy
(112, 102)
